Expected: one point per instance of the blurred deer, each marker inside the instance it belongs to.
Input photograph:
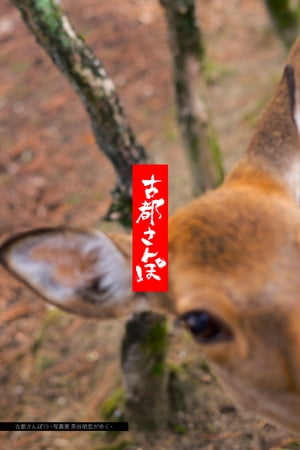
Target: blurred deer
(234, 266)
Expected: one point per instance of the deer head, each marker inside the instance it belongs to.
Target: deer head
(234, 266)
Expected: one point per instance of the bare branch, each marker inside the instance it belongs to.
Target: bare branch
(114, 136)
(190, 86)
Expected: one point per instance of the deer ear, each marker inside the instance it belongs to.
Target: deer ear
(275, 146)
(275, 143)
(81, 272)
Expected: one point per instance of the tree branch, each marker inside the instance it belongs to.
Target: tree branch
(192, 110)
(144, 349)
(114, 136)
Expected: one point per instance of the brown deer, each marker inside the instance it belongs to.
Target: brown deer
(234, 266)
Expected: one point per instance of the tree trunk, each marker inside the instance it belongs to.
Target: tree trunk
(145, 371)
(86, 73)
(192, 110)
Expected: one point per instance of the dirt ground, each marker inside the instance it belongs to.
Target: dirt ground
(57, 367)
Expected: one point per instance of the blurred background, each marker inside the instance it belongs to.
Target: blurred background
(58, 367)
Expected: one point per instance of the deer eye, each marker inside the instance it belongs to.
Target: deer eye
(205, 327)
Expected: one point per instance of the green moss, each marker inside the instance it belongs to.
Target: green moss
(158, 368)
(113, 409)
(113, 403)
(178, 369)
(51, 18)
(155, 344)
(180, 429)
(50, 13)
(156, 340)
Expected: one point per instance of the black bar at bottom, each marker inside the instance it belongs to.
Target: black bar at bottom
(63, 426)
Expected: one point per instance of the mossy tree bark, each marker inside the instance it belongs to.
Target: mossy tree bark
(286, 20)
(193, 114)
(145, 371)
(114, 136)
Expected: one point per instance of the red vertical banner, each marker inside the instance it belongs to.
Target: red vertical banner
(150, 227)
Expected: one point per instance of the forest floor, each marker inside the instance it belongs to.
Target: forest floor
(58, 367)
